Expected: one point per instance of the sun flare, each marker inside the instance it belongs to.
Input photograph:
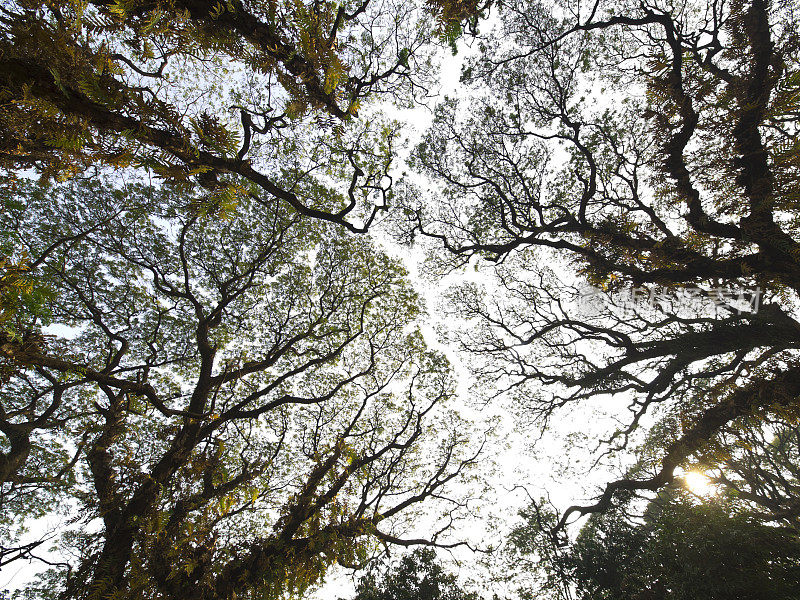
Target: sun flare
(698, 483)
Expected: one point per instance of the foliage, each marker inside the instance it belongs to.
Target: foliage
(647, 150)
(244, 399)
(679, 549)
(240, 97)
(22, 296)
(241, 395)
(236, 395)
(755, 463)
(418, 576)
(232, 386)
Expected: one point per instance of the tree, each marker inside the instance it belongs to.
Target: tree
(646, 149)
(241, 97)
(756, 464)
(417, 577)
(730, 532)
(678, 549)
(244, 400)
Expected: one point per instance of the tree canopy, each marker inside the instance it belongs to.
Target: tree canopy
(417, 576)
(213, 369)
(650, 150)
(241, 97)
(235, 394)
(221, 464)
(678, 549)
